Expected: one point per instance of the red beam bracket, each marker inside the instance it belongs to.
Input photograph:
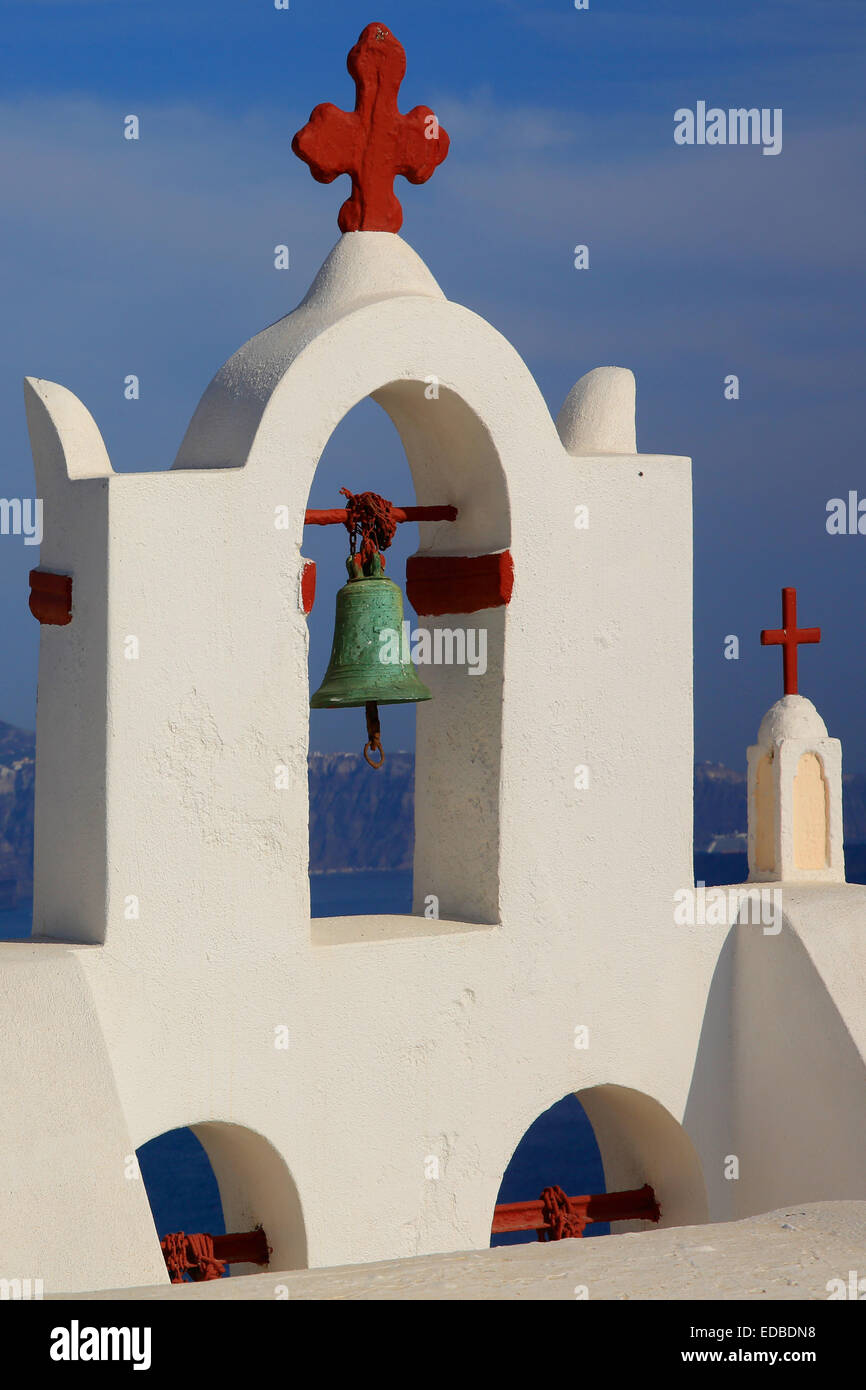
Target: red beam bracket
(51, 597)
(437, 584)
(308, 586)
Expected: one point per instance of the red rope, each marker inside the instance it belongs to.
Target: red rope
(370, 519)
(556, 1211)
(204, 1264)
(174, 1254)
(193, 1255)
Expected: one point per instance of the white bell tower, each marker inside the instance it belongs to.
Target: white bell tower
(795, 778)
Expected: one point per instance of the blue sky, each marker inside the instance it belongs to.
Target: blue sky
(156, 257)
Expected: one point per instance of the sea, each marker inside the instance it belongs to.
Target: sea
(559, 1148)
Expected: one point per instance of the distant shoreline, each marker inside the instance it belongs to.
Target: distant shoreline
(395, 869)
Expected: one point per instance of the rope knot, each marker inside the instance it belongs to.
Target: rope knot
(193, 1255)
(556, 1211)
(370, 521)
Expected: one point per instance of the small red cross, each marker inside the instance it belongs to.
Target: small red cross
(375, 142)
(789, 637)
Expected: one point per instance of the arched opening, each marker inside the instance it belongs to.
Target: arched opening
(216, 1178)
(608, 1139)
(641, 1142)
(180, 1184)
(445, 819)
(361, 821)
(558, 1148)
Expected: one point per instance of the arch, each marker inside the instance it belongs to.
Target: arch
(485, 436)
(464, 440)
(256, 1188)
(359, 864)
(376, 325)
(640, 1141)
(558, 1148)
(452, 454)
(373, 316)
(180, 1184)
(455, 455)
(253, 1186)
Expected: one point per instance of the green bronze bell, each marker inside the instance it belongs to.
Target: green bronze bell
(369, 613)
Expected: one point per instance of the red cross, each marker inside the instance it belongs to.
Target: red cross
(789, 637)
(375, 142)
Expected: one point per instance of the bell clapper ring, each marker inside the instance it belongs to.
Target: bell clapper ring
(374, 744)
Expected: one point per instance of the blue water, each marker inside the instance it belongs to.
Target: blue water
(360, 893)
(715, 869)
(383, 890)
(16, 923)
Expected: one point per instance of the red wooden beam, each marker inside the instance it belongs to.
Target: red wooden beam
(242, 1247)
(639, 1204)
(337, 515)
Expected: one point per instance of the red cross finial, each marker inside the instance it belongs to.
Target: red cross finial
(789, 637)
(375, 142)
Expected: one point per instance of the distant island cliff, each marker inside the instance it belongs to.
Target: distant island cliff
(360, 819)
(17, 774)
(348, 802)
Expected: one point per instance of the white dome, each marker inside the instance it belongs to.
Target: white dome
(366, 266)
(598, 414)
(791, 717)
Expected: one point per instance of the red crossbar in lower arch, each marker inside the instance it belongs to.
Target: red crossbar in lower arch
(203, 1256)
(639, 1204)
(242, 1247)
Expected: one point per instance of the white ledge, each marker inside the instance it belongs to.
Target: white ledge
(346, 931)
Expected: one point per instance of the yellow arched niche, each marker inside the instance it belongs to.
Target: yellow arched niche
(765, 816)
(811, 802)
